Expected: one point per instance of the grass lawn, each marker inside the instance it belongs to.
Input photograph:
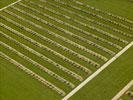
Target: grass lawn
(119, 7)
(110, 81)
(126, 96)
(4, 3)
(16, 85)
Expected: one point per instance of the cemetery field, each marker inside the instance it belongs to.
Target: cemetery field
(4, 3)
(126, 92)
(50, 49)
(109, 82)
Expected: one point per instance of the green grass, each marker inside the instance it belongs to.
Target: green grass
(16, 85)
(26, 88)
(4, 3)
(110, 81)
(126, 96)
(119, 7)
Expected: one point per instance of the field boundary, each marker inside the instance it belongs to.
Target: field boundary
(97, 72)
(119, 94)
(10, 5)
